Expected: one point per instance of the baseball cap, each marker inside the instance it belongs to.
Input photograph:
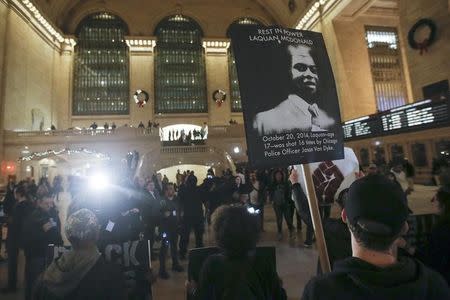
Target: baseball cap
(377, 205)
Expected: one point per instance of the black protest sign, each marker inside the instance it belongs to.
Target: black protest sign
(133, 256)
(289, 98)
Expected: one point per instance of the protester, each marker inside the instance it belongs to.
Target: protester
(170, 214)
(302, 206)
(233, 274)
(159, 184)
(151, 208)
(279, 196)
(400, 176)
(81, 273)
(257, 196)
(20, 210)
(410, 172)
(39, 230)
(191, 215)
(436, 253)
(372, 170)
(337, 235)
(376, 213)
(238, 191)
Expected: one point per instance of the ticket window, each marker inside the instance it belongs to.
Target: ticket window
(364, 157)
(397, 153)
(419, 154)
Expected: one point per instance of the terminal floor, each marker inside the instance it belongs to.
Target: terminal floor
(295, 264)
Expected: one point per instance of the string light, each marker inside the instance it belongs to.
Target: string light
(308, 16)
(64, 151)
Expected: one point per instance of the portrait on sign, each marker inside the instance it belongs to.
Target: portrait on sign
(289, 98)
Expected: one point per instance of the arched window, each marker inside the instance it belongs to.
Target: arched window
(101, 70)
(180, 85)
(235, 95)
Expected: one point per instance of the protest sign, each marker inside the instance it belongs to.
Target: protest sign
(289, 100)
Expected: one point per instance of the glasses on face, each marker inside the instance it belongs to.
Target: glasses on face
(303, 67)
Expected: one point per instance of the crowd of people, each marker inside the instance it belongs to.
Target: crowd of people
(368, 246)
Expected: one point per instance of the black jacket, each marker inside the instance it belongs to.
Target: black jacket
(300, 200)
(356, 279)
(282, 189)
(190, 200)
(437, 252)
(151, 208)
(236, 279)
(169, 214)
(20, 213)
(338, 240)
(35, 239)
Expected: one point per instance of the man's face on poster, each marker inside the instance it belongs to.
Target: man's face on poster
(303, 71)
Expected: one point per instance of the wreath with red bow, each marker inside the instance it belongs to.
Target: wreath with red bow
(422, 46)
(141, 98)
(219, 97)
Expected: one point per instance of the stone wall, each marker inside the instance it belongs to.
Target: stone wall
(29, 74)
(433, 65)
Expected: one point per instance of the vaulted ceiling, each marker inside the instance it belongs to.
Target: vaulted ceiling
(143, 15)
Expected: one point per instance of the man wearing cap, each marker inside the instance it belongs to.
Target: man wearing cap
(375, 212)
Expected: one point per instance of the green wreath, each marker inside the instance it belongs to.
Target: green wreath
(422, 46)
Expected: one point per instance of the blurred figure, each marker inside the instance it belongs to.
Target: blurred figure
(179, 177)
(238, 189)
(337, 235)
(400, 176)
(436, 253)
(410, 173)
(151, 210)
(39, 229)
(170, 214)
(439, 243)
(82, 273)
(20, 211)
(159, 184)
(234, 273)
(279, 196)
(256, 196)
(372, 170)
(191, 215)
(302, 206)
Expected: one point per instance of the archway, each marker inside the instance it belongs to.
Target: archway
(167, 157)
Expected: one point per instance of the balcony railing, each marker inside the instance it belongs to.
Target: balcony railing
(186, 149)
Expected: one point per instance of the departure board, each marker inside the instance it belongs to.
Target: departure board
(362, 127)
(412, 117)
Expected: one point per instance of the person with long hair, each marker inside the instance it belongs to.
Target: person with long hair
(237, 272)
(280, 193)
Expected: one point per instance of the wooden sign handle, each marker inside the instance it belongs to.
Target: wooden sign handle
(316, 220)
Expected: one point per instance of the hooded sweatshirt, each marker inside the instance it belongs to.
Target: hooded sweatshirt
(354, 279)
(80, 275)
